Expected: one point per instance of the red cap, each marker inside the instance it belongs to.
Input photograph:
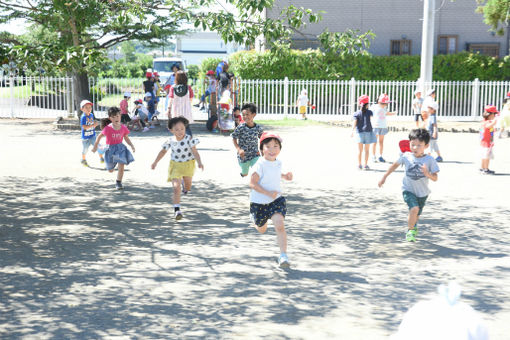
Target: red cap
(267, 135)
(508, 95)
(138, 101)
(148, 74)
(155, 74)
(491, 109)
(404, 145)
(210, 73)
(313, 107)
(384, 99)
(362, 100)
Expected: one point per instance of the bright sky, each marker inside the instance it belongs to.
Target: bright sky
(15, 26)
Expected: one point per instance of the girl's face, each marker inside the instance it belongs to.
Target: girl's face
(271, 150)
(115, 119)
(179, 130)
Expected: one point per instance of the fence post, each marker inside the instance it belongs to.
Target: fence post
(285, 97)
(352, 96)
(11, 84)
(475, 102)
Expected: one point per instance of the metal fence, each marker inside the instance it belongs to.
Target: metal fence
(46, 97)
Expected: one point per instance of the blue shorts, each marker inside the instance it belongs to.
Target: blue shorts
(260, 213)
(380, 131)
(413, 201)
(366, 137)
(86, 143)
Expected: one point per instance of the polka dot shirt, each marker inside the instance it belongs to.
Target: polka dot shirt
(181, 149)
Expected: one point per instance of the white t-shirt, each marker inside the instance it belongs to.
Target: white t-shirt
(379, 116)
(270, 173)
(417, 103)
(181, 149)
(302, 100)
(429, 101)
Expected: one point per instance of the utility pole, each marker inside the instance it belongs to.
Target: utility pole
(427, 44)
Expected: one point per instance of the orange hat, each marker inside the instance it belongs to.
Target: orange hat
(362, 100)
(267, 135)
(384, 99)
(491, 109)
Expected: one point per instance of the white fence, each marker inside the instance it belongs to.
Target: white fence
(45, 97)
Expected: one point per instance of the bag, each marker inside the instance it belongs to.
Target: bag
(210, 125)
(180, 90)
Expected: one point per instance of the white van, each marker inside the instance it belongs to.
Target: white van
(164, 67)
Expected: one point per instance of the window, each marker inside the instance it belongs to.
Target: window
(447, 44)
(400, 47)
(485, 49)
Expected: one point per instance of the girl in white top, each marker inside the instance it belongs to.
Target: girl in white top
(303, 102)
(380, 111)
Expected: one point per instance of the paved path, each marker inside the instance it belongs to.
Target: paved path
(80, 260)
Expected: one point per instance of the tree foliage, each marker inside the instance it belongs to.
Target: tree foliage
(496, 14)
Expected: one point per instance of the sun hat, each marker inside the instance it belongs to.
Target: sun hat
(127, 94)
(362, 100)
(431, 92)
(491, 109)
(383, 99)
(85, 102)
(417, 91)
(267, 135)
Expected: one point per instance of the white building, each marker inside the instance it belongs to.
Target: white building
(196, 46)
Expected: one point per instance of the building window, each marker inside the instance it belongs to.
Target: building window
(400, 47)
(447, 44)
(485, 49)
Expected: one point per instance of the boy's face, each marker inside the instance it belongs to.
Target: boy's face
(248, 117)
(87, 109)
(418, 147)
(271, 150)
(179, 130)
(418, 95)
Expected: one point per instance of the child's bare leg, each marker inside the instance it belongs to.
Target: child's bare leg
(176, 184)
(485, 163)
(367, 149)
(412, 218)
(360, 151)
(381, 144)
(261, 229)
(120, 172)
(187, 183)
(373, 148)
(281, 235)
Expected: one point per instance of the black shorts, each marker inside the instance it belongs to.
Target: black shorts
(260, 213)
(417, 117)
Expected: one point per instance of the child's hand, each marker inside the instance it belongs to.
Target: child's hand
(94, 149)
(153, 166)
(241, 153)
(434, 135)
(381, 182)
(288, 176)
(425, 170)
(133, 148)
(201, 166)
(273, 194)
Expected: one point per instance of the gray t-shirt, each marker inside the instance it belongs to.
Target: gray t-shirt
(417, 102)
(414, 180)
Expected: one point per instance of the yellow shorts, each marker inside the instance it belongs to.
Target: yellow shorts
(178, 170)
(302, 109)
(505, 122)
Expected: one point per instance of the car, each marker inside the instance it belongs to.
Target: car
(164, 67)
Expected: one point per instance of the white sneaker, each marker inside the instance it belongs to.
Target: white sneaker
(152, 127)
(283, 261)
(178, 215)
(145, 129)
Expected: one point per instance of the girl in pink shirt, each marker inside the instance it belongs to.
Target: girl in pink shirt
(116, 151)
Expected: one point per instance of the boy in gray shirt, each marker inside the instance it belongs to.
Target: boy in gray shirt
(419, 168)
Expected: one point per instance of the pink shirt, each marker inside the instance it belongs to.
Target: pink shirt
(123, 107)
(115, 136)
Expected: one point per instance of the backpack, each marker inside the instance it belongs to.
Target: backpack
(211, 122)
(180, 90)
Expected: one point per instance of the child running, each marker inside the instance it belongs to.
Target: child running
(245, 138)
(487, 138)
(362, 124)
(116, 152)
(88, 130)
(380, 111)
(182, 163)
(419, 168)
(266, 199)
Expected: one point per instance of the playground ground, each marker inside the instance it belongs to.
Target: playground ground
(80, 260)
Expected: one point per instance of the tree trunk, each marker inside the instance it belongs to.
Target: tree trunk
(81, 90)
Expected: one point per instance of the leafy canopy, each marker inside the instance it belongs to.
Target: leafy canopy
(496, 14)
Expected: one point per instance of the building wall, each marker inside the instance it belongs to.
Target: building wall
(195, 47)
(395, 20)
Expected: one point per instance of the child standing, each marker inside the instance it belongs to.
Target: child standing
(88, 130)
(432, 127)
(380, 111)
(417, 102)
(362, 125)
(181, 95)
(182, 163)
(116, 151)
(487, 138)
(245, 138)
(504, 118)
(303, 102)
(266, 199)
(419, 168)
(236, 113)
(124, 113)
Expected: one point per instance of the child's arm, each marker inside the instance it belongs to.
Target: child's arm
(392, 168)
(88, 127)
(160, 155)
(392, 113)
(97, 142)
(197, 157)
(427, 173)
(354, 123)
(288, 176)
(238, 148)
(129, 142)
(254, 184)
(434, 132)
(491, 123)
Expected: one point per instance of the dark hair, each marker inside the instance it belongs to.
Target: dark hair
(420, 134)
(236, 108)
(364, 108)
(250, 107)
(176, 66)
(486, 114)
(267, 140)
(112, 111)
(175, 120)
(181, 78)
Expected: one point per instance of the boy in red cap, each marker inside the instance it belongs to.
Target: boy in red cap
(487, 138)
(266, 200)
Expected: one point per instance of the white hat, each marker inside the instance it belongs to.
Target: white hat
(417, 91)
(430, 92)
(127, 94)
(85, 102)
(148, 94)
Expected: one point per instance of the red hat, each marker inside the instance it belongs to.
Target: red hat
(155, 74)
(491, 109)
(210, 73)
(507, 95)
(404, 145)
(267, 135)
(148, 74)
(384, 99)
(138, 101)
(362, 100)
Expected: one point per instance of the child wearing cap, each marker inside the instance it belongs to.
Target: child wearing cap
(88, 130)
(141, 115)
(504, 119)
(432, 128)
(266, 200)
(123, 106)
(245, 138)
(380, 111)
(487, 138)
(303, 102)
(430, 99)
(362, 125)
(419, 168)
(211, 89)
(417, 103)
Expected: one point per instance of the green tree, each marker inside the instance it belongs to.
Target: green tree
(496, 13)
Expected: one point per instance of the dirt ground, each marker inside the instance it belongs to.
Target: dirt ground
(81, 260)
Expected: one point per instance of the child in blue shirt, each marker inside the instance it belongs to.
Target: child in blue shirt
(88, 130)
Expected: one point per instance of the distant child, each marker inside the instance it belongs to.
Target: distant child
(504, 119)
(362, 125)
(181, 95)
(116, 152)
(432, 127)
(266, 197)
(88, 130)
(303, 102)
(182, 164)
(124, 113)
(487, 138)
(380, 111)
(211, 89)
(238, 118)
(417, 102)
(429, 100)
(246, 139)
(419, 168)
(141, 115)
(151, 108)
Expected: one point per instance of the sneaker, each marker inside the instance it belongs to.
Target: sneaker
(382, 160)
(145, 129)
(439, 159)
(178, 215)
(360, 167)
(196, 105)
(411, 235)
(374, 159)
(119, 186)
(488, 172)
(102, 160)
(283, 261)
(202, 108)
(84, 163)
(366, 167)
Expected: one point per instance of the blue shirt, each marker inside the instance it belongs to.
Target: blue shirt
(363, 123)
(431, 123)
(87, 120)
(219, 69)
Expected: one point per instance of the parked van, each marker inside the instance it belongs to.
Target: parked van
(164, 67)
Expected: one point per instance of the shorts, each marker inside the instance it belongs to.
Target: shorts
(178, 170)
(417, 117)
(433, 147)
(245, 166)
(302, 110)
(504, 122)
(413, 201)
(366, 137)
(486, 153)
(381, 131)
(86, 143)
(260, 213)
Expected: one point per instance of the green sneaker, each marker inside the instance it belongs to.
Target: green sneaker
(411, 235)
(84, 163)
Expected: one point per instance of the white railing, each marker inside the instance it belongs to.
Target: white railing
(46, 97)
